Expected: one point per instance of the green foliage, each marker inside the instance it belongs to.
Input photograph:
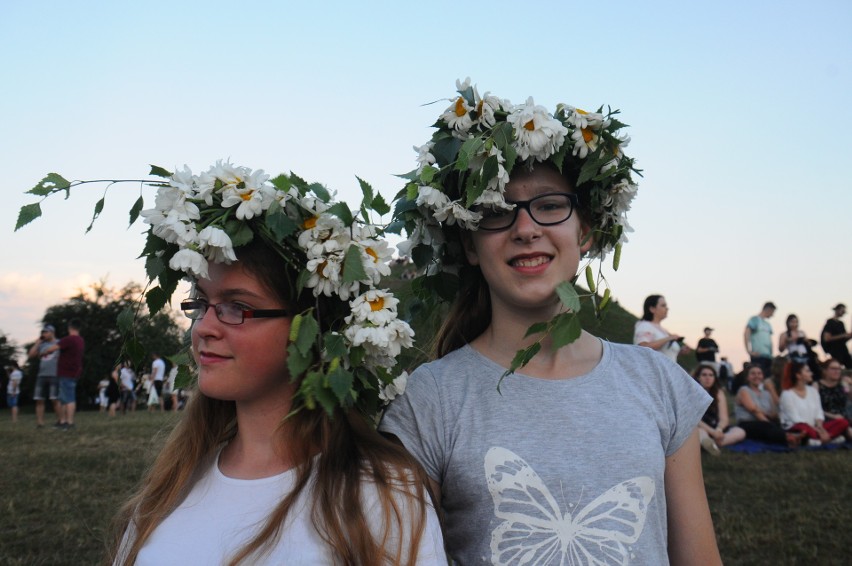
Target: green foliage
(27, 214)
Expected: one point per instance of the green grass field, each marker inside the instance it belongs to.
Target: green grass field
(59, 490)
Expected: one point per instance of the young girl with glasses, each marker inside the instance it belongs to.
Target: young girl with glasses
(589, 452)
(276, 459)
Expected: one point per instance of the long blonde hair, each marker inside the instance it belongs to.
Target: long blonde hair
(334, 455)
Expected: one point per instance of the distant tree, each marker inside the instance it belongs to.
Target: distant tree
(99, 308)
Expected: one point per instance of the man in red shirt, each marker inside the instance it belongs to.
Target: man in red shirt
(69, 369)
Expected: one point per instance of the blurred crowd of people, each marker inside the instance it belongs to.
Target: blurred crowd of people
(794, 399)
(124, 390)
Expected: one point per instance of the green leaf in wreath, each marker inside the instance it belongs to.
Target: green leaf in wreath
(340, 380)
(297, 364)
(158, 171)
(353, 267)
(136, 209)
(99, 207)
(27, 214)
(52, 183)
(156, 298)
(125, 321)
(307, 331)
(568, 295)
(280, 224)
(566, 329)
(341, 210)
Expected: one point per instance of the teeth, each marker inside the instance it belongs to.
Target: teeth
(530, 261)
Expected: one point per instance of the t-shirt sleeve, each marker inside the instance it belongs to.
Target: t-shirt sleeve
(416, 419)
(643, 333)
(687, 403)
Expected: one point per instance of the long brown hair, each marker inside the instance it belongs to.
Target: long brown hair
(334, 455)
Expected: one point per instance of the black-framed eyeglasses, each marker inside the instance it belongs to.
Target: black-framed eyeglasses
(227, 313)
(547, 209)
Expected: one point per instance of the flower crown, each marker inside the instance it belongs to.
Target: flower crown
(479, 141)
(463, 170)
(339, 255)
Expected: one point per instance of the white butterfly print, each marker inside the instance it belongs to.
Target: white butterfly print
(535, 531)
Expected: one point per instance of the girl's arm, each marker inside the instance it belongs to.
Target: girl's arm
(722, 403)
(692, 541)
(744, 399)
(782, 342)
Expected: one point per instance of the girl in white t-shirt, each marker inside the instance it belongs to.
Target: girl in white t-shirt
(275, 459)
(650, 333)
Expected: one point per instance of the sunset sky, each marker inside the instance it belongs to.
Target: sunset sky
(739, 115)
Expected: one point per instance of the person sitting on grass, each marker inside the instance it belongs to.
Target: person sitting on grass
(835, 394)
(756, 411)
(714, 428)
(801, 410)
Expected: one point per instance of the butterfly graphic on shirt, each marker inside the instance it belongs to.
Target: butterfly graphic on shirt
(536, 531)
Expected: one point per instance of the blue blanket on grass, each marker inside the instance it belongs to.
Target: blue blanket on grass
(755, 446)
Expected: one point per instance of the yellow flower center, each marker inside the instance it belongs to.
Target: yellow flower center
(530, 126)
(246, 196)
(580, 111)
(309, 223)
(372, 254)
(460, 109)
(588, 134)
(377, 304)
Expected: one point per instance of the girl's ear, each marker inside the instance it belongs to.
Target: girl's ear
(469, 248)
(587, 238)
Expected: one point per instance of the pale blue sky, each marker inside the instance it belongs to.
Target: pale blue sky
(739, 115)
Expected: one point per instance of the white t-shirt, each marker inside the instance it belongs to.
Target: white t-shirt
(13, 388)
(221, 514)
(647, 331)
(158, 369)
(794, 409)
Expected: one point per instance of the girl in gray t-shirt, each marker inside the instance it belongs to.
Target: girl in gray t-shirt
(589, 454)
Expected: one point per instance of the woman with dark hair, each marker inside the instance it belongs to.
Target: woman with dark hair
(801, 410)
(650, 333)
(756, 411)
(276, 459)
(833, 392)
(794, 341)
(507, 420)
(714, 430)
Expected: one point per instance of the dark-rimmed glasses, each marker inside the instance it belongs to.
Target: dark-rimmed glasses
(547, 209)
(227, 313)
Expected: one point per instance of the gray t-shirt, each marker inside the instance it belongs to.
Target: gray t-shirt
(550, 471)
(47, 363)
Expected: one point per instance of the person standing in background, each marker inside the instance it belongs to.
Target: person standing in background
(47, 384)
(650, 333)
(158, 372)
(13, 389)
(834, 337)
(707, 347)
(69, 368)
(758, 338)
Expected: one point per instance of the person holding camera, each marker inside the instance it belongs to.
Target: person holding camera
(650, 333)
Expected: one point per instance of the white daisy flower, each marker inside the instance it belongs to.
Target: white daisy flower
(537, 133)
(189, 261)
(586, 141)
(457, 115)
(216, 245)
(456, 212)
(374, 306)
(424, 156)
(394, 389)
(375, 256)
(431, 198)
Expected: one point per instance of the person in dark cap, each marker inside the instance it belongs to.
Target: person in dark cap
(47, 383)
(707, 348)
(834, 337)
